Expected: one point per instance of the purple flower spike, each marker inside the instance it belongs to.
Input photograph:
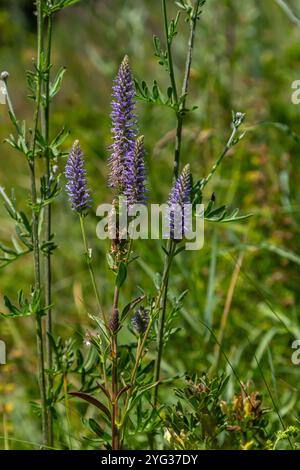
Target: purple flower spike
(124, 123)
(135, 188)
(179, 214)
(141, 320)
(76, 187)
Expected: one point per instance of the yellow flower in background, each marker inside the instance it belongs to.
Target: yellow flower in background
(8, 408)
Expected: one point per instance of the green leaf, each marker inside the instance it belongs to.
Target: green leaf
(57, 142)
(95, 427)
(179, 250)
(130, 306)
(154, 95)
(93, 401)
(222, 214)
(122, 274)
(57, 5)
(25, 307)
(8, 250)
(101, 326)
(110, 261)
(56, 85)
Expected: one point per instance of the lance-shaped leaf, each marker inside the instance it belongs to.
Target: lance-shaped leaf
(93, 401)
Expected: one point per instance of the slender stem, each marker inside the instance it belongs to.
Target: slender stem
(220, 159)
(139, 353)
(141, 343)
(227, 307)
(114, 351)
(114, 354)
(48, 230)
(178, 141)
(184, 91)
(5, 431)
(92, 276)
(42, 378)
(67, 407)
(163, 302)
(91, 269)
(189, 57)
(169, 50)
(35, 228)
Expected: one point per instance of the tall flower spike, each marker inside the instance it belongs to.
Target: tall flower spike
(76, 187)
(135, 188)
(179, 213)
(124, 125)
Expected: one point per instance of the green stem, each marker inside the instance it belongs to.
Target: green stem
(92, 276)
(48, 223)
(163, 303)
(35, 229)
(227, 308)
(184, 90)
(5, 431)
(91, 270)
(169, 51)
(178, 141)
(220, 159)
(141, 343)
(114, 354)
(67, 406)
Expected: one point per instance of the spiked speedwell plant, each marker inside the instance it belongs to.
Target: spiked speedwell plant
(121, 380)
(124, 383)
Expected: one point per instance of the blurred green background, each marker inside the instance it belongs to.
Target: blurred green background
(247, 54)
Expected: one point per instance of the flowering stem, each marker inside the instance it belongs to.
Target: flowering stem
(163, 303)
(114, 355)
(141, 343)
(35, 232)
(91, 269)
(177, 152)
(92, 276)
